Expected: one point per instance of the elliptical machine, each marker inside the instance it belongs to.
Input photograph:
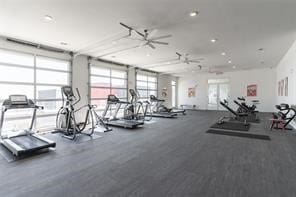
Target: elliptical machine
(66, 121)
(141, 109)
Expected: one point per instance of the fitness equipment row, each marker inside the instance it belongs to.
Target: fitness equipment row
(25, 141)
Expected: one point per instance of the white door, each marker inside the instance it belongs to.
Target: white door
(217, 92)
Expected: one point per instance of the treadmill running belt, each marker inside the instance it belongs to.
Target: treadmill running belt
(28, 142)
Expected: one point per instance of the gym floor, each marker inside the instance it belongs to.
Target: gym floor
(166, 158)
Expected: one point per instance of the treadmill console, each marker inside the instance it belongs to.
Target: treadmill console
(18, 99)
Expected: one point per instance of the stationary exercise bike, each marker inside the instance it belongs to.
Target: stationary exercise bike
(66, 121)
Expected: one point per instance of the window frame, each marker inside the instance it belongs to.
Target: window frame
(147, 89)
(110, 87)
(34, 84)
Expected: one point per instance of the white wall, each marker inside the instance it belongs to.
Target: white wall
(264, 78)
(287, 68)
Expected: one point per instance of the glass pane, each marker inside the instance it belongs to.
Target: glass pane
(120, 93)
(45, 123)
(43, 62)
(119, 83)
(50, 107)
(143, 93)
(100, 81)
(100, 92)
(7, 89)
(141, 85)
(119, 74)
(101, 104)
(16, 125)
(141, 77)
(152, 79)
(16, 74)
(152, 86)
(218, 80)
(48, 92)
(173, 95)
(152, 92)
(16, 58)
(100, 71)
(51, 77)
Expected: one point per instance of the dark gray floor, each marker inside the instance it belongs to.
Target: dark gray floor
(172, 157)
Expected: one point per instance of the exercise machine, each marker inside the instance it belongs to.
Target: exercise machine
(159, 110)
(241, 117)
(247, 108)
(158, 106)
(129, 120)
(283, 117)
(142, 108)
(252, 113)
(24, 141)
(66, 121)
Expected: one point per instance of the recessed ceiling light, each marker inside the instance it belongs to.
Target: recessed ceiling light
(223, 53)
(168, 62)
(63, 43)
(148, 55)
(214, 40)
(233, 67)
(114, 42)
(48, 17)
(194, 13)
(229, 61)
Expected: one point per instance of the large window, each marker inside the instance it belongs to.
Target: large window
(146, 85)
(105, 81)
(38, 77)
(174, 94)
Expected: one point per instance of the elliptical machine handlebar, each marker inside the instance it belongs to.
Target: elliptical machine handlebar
(79, 97)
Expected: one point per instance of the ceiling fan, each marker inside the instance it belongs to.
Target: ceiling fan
(147, 37)
(185, 59)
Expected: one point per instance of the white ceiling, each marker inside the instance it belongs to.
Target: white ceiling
(91, 26)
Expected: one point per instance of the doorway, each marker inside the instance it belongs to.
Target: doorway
(218, 90)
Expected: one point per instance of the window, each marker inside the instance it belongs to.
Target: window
(40, 79)
(105, 81)
(146, 85)
(174, 94)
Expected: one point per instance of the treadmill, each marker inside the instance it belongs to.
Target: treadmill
(119, 122)
(25, 141)
(156, 105)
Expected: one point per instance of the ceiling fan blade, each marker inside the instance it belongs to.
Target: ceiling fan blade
(161, 37)
(152, 33)
(151, 45)
(157, 42)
